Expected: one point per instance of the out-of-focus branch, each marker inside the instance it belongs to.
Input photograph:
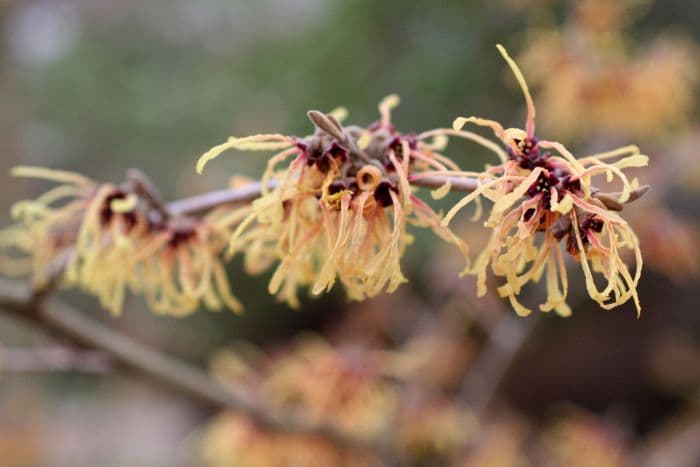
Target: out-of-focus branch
(52, 359)
(675, 444)
(505, 339)
(71, 325)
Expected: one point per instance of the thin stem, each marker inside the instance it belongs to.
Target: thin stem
(506, 339)
(206, 201)
(463, 184)
(201, 203)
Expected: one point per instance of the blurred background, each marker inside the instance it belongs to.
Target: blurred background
(100, 86)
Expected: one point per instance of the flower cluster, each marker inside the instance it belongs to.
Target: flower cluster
(543, 196)
(577, 432)
(347, 387)
(234, 440)
(342, 387)
(572, 437)
(107, 239)
(335, 206)
(588, 68)
(339, 209)
(354, 389)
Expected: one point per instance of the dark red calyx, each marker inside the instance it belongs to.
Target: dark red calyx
(180, 236)
(336, 187)
(382, 194)
(528, 214)
(592, 222)
(107, 214)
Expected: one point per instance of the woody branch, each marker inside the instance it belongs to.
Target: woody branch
(74, 327)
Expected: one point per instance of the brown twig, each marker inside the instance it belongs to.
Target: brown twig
(73, 326)
(201, 203)
(457, 183)
(207, 201)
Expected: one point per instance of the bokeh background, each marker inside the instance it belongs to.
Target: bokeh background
(99, 86)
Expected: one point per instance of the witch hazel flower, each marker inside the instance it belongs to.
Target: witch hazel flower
(545, 206)
(109, 239)
(339, 210)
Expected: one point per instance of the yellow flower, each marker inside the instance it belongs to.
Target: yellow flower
(339, 209)
(543, 195)
(179, 267)
(108, 239)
